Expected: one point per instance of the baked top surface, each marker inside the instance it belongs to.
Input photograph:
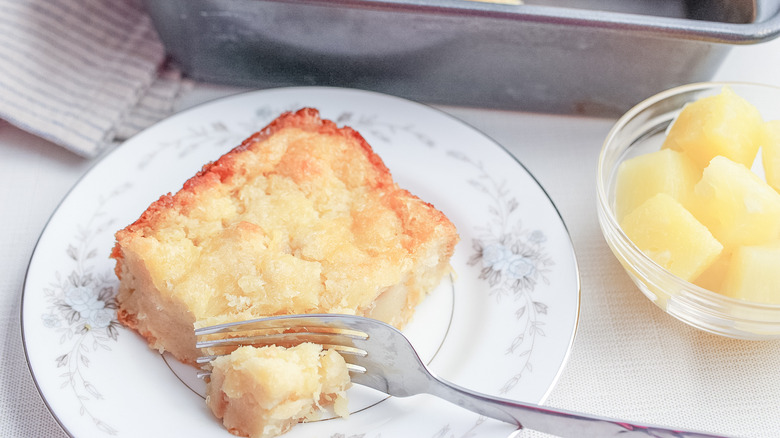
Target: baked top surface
(301, 217)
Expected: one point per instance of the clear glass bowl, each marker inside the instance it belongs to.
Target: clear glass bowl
(641, 130)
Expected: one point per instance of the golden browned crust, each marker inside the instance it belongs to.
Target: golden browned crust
(225, 167)
(394, 227)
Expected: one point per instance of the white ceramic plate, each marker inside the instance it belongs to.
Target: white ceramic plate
(503, 324)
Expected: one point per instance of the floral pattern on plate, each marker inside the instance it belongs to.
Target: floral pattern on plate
(515, 267)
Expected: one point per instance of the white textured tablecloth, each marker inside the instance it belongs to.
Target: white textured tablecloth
(630, 360)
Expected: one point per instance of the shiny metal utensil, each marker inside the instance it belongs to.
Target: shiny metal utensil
(381, 357)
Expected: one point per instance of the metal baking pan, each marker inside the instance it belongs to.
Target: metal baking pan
(596, 57)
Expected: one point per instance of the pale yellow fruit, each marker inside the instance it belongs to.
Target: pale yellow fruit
(724, 124)
(669, 234)
(770, 155)
(754, 274)
(665, 171)
(712, 278)
(737, 206)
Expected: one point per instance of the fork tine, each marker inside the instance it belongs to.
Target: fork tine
(329, 330)
(291, 338)
(347, 351)
(343, 322)
(281, 330)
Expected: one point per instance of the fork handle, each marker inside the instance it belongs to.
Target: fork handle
(558, 422)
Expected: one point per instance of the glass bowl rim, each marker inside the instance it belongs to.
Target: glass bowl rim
(697, 297)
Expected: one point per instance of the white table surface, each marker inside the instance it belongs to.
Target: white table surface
(630, 360)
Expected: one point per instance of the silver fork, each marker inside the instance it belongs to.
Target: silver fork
(381, 357)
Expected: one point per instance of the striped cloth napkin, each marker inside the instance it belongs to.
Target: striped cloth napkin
(82, 74)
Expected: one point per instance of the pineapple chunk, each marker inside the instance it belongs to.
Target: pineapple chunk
(770, 155)
(669, 234)
(737, 206)
(753, 274)
(724, 124)
(665, 171)
(713, 278)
